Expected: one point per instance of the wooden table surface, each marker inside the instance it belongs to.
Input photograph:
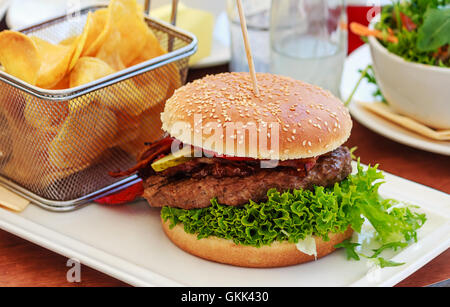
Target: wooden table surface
(25, 264)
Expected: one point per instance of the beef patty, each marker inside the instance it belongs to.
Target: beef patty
(189, 192)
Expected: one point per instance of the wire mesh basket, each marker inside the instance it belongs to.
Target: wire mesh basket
(57, 146)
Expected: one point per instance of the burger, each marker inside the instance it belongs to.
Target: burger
(257, 180)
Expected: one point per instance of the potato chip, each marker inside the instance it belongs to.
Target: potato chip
(168, 80)
(124, 97)
(125, 136)
(144, 94)
(85, 135)
(126, 121)
(14, 111)
(55, 62)
(63, 84)
(128, 129)
(25, 165)
(130, 23)
(135, 96)
(56, 180)
(89, 69)
(99, 28)
(149, 124)
(109, 51)
(29, 154)
(19, 56)
(139, 94)
(5, 140)
(80, 41)
(45, 115)
(69, 41)
(152, 49)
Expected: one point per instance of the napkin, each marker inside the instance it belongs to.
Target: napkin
(384, 111)
(12, 201)
(198, 22)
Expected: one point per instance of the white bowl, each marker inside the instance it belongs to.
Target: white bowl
(419, 91)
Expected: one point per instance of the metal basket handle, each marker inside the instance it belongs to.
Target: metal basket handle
(173, 16)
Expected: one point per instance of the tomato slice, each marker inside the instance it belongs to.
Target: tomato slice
(210, 153)
(124, 196)
(237, 158)
(407, 22)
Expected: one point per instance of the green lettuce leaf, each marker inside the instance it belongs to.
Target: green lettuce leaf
(392, 245)
(295, 215)
(349, 248)
(383, 263)
(435, 31)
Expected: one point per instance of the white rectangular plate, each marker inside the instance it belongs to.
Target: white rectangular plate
(127, 242)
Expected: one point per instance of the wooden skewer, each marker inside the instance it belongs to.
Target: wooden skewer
(173, 21)
(173, 15)
(248, 51)
(147, 7)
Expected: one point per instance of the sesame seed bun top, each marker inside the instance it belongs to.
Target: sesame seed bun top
(290, 118)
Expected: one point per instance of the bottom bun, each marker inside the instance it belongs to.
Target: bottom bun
(278, 254)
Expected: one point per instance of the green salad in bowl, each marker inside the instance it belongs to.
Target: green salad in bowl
(409, 46)
(422, 28)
